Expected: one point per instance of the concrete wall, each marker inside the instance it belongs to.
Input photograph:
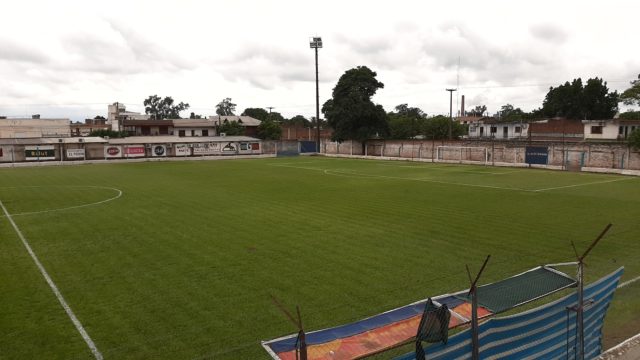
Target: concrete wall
(569, 155)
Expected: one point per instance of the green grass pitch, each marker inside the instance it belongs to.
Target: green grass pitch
(176, 260)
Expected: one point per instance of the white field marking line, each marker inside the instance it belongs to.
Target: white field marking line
(583, 184)
(337, 173)
(54, 288)
(449, 169)
(628, 282)
(75, 206)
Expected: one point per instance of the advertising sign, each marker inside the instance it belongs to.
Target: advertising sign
(536, 155)
(206, 149)
(159, 150)
(134, 151)
(40, 152)
(230, 148)
(112, 151)
(75, 153)
(182, 150)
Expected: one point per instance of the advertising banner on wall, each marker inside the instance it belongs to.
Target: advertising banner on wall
(158, 150)
(40, 152)
(206, 149)
(75, 153)
(536, 155)
(112, 151)
(230, 148)
(182, 150)
(134, 151)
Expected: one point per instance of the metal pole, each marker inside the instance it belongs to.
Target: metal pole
(317, 105)
(450, 112)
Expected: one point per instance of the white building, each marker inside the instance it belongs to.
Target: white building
(194, 127)
(615, 129)
(486, 129)
(117, 113)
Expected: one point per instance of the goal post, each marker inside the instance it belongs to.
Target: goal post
(475, 154)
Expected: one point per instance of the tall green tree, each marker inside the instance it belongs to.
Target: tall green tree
(405, 122)
(592, 101)
(634, 139)
(256, 113)
(231, 128)
(160, 108)
(350, 111)
(225, 107)
(299, 120)
(631, 96)
(479, 110)
(437, 128)
(269, 130)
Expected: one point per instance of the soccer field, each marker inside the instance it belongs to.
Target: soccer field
(177, 260)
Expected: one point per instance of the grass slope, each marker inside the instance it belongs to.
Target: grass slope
(182, 264)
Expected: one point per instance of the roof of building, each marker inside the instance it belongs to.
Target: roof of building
(194, 122)
(132, 122)
(245, 120)
(178, 140)
(47, 141)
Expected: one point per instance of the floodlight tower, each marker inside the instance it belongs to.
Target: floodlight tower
(451, 111)
(316, 43)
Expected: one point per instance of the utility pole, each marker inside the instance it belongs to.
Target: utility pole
(316, 43)
(270, 108)
(451, 112)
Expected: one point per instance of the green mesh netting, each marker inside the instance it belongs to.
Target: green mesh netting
(504, 295)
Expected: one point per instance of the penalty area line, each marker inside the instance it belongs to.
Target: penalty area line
(54, 288)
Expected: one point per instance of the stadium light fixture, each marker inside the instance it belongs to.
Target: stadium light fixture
(316, 43)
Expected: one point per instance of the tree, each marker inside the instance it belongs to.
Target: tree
(632, 95)
(160, 108)
(269, 130)
(630, 115)
(110, 133)
(592, 101)
(350, 111)
(231, 128)
(634, 139)
(194, 116)
(256, 113)
(437, 128)
(99, 117)
(299, 120)
(225, 107)
(509, 113)
(479, 110)
(405, 122)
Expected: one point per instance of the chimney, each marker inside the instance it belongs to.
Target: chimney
(462, 106)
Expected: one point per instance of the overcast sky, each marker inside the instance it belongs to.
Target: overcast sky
(72, 58)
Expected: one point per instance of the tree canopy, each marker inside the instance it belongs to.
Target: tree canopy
(479, 110)
(350, 111)
(630, 115)
(299, 120)
(592, 101)
(269, 130)
(631, 96)
(256, 113)
(405, 122)
(225, 107)
(634, 139)
(437, 128)
(160, 108)
(231, 128)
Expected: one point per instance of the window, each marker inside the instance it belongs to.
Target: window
(472, 130)
(518, 129)
(596, 129)
(494, 129)
(205, 132)
(181, 133)
(621, 130)
(193, 133)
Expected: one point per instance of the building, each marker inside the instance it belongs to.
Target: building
(35, 127)
(250, 124)
(614, 129)
(89, 125)
(194, 127)
(491, 128)
(117, 113)
(557, 129)
(147, 127)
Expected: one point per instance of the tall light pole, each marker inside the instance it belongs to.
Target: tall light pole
(451, 111)
(316, 43)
